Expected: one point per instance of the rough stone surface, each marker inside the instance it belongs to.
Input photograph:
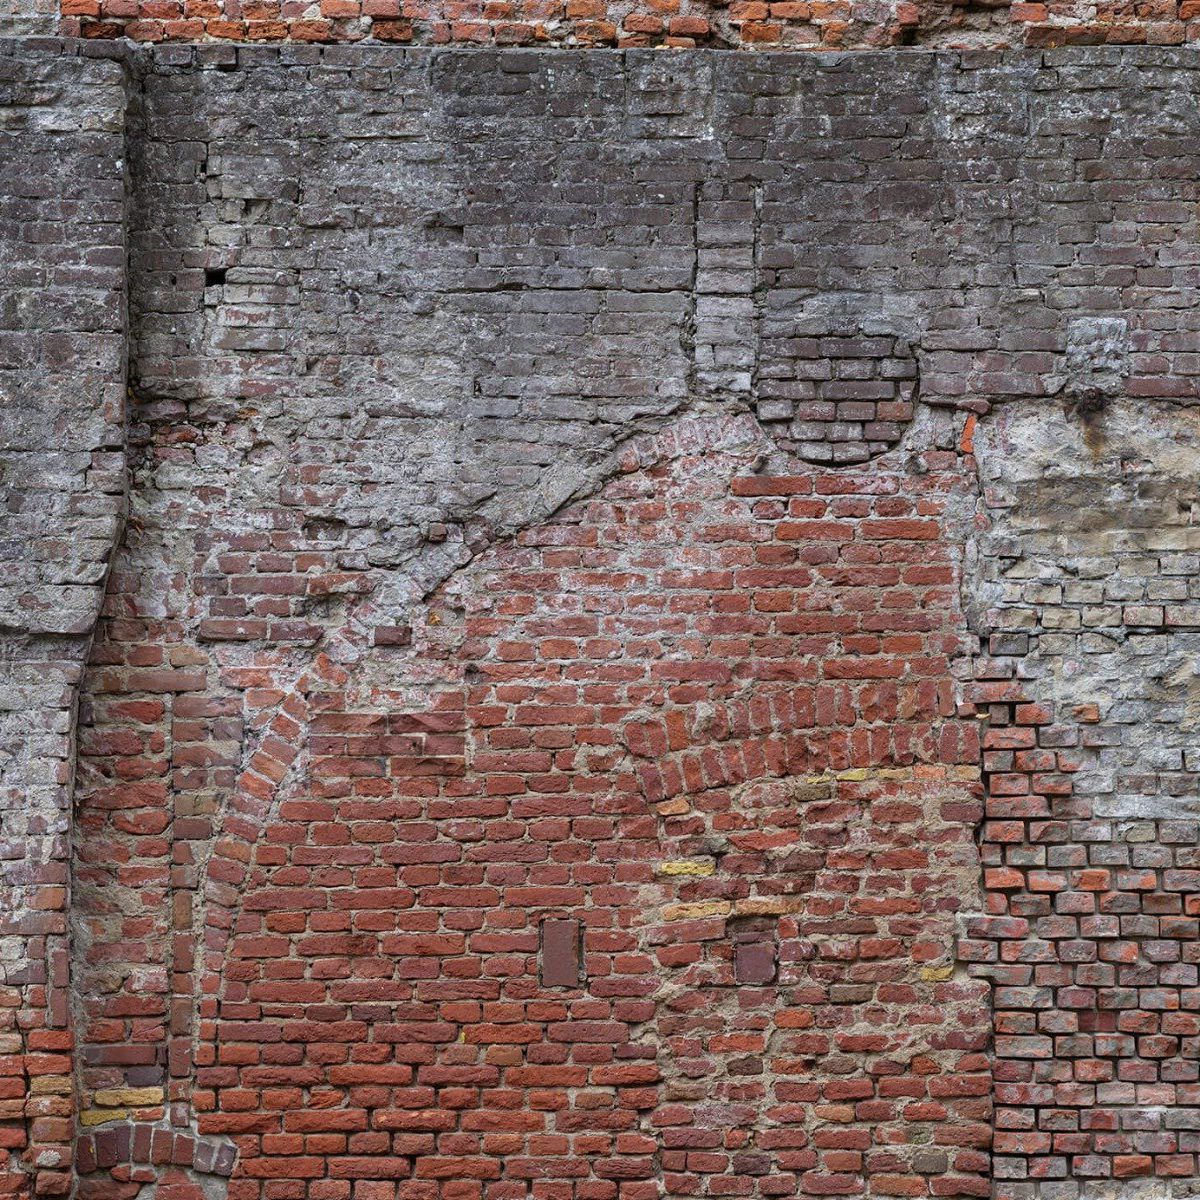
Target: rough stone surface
(740, 504)
(62, 343)
(1090, 843)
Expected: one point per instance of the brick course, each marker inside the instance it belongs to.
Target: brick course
(748, 25)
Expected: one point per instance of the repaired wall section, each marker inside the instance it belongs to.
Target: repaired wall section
(1090, 844)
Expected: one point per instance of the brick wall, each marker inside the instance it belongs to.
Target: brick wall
(653, 651)
(719, 24)
(62, 401)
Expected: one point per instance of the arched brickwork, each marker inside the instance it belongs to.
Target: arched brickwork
(706, 713)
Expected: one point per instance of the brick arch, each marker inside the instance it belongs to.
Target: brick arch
(270, 769)
(627, 714)
(371, 625)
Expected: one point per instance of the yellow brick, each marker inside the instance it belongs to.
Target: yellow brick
(672, 808)
(936, 974)
(702, 908)
(860, 774)
(129, 1097)
(766, 906)
(51, 1085)
(98, 1116)
(684, 866)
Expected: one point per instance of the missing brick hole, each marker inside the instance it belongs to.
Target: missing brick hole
(752, 929)
(215, 276)
(1087, 404)
(754, 944)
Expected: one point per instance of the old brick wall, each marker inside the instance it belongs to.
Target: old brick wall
(62, 383)
(726, 516)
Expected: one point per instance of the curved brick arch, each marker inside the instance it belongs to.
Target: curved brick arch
(258, 782)
(259, 786)
(667, 883)
(275, 755)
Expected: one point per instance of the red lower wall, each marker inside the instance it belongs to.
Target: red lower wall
(710, 715)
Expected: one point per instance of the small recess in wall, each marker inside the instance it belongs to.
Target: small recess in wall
(561, 965)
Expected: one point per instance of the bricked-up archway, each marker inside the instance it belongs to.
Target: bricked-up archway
(705, 709)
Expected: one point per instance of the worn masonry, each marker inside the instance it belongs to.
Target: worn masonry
(599, 626)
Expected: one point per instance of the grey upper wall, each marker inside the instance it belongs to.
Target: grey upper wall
(62, 334)
(507, 262)
(447, 283)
